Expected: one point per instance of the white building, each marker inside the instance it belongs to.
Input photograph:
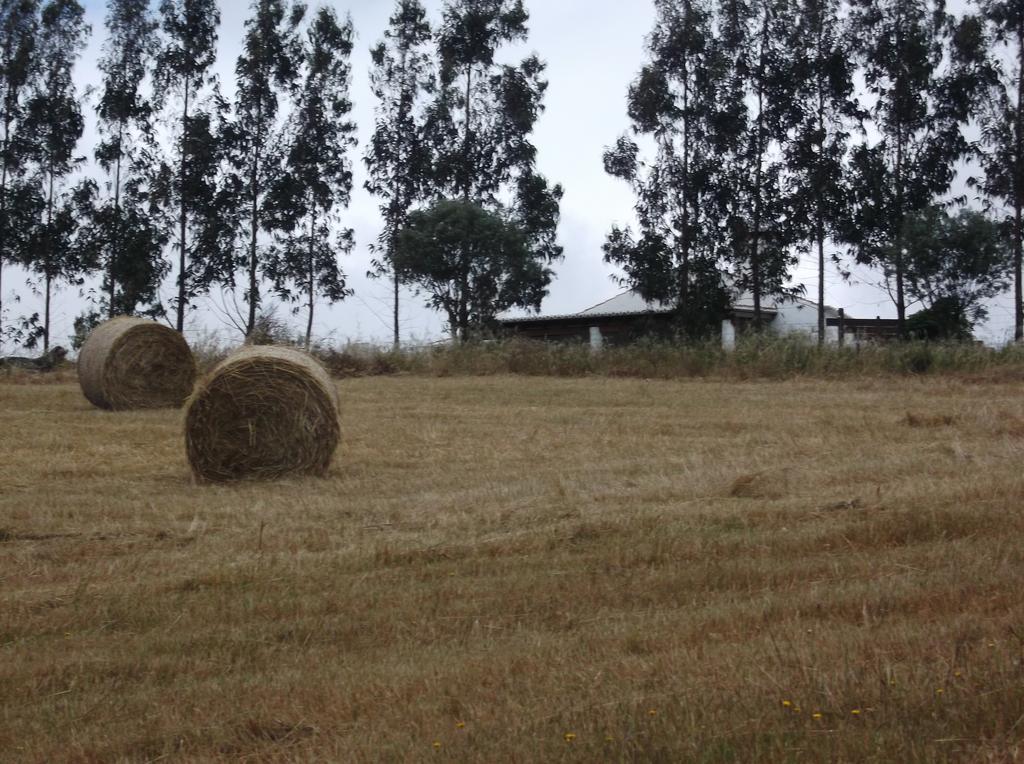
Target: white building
(628, 314)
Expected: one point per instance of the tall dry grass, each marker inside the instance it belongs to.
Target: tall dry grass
(754, 358)
(512, 569)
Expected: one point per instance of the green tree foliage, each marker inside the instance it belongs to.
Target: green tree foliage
(762, 93)
(267, 68)
(18, 26)
(53, 127)
(1002, 127)
(475, 155)
(480, 121)
(826, 110)
(674, 103)
(472, 263)
(126, 228)
(182, 79)
(397, 158)
(954, 263)
(317, 177)
(944, 321)
(923, 72)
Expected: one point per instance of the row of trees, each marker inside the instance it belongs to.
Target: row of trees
(247, 194)
(764, 129)
(761, 130)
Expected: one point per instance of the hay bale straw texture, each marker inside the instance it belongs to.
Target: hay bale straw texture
(130, 363)
(263, 413)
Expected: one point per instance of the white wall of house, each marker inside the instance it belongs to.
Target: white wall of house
(800, 317)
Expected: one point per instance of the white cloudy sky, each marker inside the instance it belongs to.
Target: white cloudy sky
(593, 49)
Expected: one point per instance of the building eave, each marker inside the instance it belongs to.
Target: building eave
(596, 318)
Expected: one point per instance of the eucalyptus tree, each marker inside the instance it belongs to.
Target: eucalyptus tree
(53, 127)
(267, 68)
(472, 263)
(18, 26)
(474, 156)
(1002, 123)
(480, 120)
(182, 80)
(674, 104)
(955, 262)
(827, 112)
(317, 175)
(924, 72)
(763, 98)
(397, 158)
(129, 238)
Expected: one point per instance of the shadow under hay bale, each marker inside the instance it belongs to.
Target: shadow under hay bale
(262, 413)
(131, 363)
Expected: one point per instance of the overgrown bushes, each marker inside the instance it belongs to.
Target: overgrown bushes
(754, 358)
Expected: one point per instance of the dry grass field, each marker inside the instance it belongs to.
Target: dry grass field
(526, 569)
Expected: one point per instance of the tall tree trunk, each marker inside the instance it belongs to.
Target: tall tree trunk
(253, 241)
(901, 306)
(254, 224)
(398, 338)
(4, 163)
(684, 270)
(400, 205)
(755, 254)
(820, 235)
(463, 328)
(49, 264)
(468, 138)
(46, 314)
(311, 273)
(1018, 245)
(684, 274)
(115, 244)
(1, 299)
(397, 211)
(819, 202)
(3, 217)
(1018, 194)
(183, 218)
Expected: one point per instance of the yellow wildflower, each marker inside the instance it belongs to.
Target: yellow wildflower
(786, 704)
(855, 712)
(437, 745)
(570, 736)
(460, 725)
(816, 715)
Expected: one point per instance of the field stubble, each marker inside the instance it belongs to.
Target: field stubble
(526, 569)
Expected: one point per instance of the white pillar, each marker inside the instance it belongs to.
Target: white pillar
(596, 339)
(728, 336)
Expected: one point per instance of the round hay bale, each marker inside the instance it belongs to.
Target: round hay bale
(131, 363)
(262, 413)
